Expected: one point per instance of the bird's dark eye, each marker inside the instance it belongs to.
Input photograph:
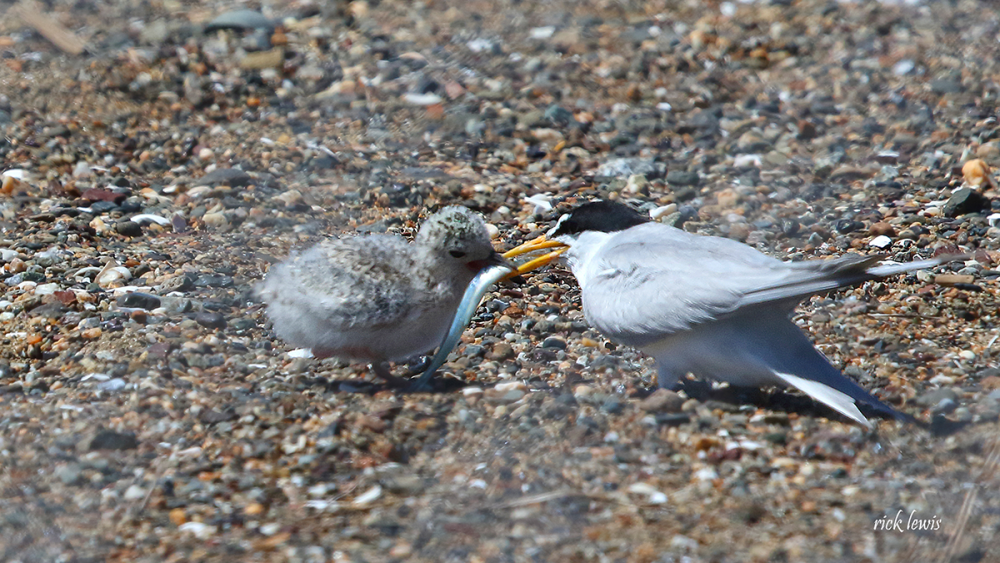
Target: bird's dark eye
(457, 253)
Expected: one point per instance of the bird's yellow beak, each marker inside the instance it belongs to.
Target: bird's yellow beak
(539, 243)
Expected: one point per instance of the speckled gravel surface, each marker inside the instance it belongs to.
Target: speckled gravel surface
(147, 413)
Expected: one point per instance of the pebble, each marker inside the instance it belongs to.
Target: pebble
(210, 320)
(111, 440)
(662, 400)
(69, 474)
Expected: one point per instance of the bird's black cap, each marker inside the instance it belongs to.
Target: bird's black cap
(602, 216)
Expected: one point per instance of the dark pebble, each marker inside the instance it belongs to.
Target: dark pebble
(227, 176)
(554, 342)
(97, 194)
(672, 419)
(210, 320)
(965, 200)
(128, 228)
(101, 207)
(243, 324)
(138, 300)
(178, 283)
(682, 178)
(111, 440)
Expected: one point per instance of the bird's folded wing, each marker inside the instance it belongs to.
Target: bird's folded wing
(642, 290)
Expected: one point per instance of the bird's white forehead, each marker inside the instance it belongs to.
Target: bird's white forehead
(559, 223)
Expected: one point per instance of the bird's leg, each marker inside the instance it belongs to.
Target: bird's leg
(667, 377)
(381, 369)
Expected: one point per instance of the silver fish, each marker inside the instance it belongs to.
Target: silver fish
(466, 309)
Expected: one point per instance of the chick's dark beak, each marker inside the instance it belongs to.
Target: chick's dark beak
(495, 259)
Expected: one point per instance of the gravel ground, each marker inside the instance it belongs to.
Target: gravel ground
(147, 412)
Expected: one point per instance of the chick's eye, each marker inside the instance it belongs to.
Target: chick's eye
(457, 253)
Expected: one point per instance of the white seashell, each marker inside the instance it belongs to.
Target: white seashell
(422, 99)
(745, 160)
(369, 496)
(200, 530)
(880, 241)
(111, 273)
(149, 217)
(16, 173)
(46, 289)
(541, 202)
(662, 211)
(542, 32)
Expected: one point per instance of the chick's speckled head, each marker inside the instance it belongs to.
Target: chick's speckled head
(460, 233)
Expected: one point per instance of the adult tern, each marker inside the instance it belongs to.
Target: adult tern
(707, 305)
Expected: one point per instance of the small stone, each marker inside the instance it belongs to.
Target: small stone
(727, 198)
(404, 484)
(178, 516)
(944, 406)
(225, 176)
(91, 333)
(215, 220)
(636, 184)
(849, 173)
(239, 20)
(936, 396)
(69, 474)
(178, 283)
(953, 279)
(882, 229)
(501, 352)
(111, 440)
(138, 300)
(945, 86)
(98, 194)
(625, 167)
(135, 492)
(739, 231)
(682, 178)
(209, 319)
(554, 342)
(128, 228)
(662, 400)
(965, 200)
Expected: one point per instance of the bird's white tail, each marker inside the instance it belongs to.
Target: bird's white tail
(840, 402)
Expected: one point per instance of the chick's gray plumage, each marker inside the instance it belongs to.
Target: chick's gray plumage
(378, 298)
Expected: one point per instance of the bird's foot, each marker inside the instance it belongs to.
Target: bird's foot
(422, 384)
(418, 366)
